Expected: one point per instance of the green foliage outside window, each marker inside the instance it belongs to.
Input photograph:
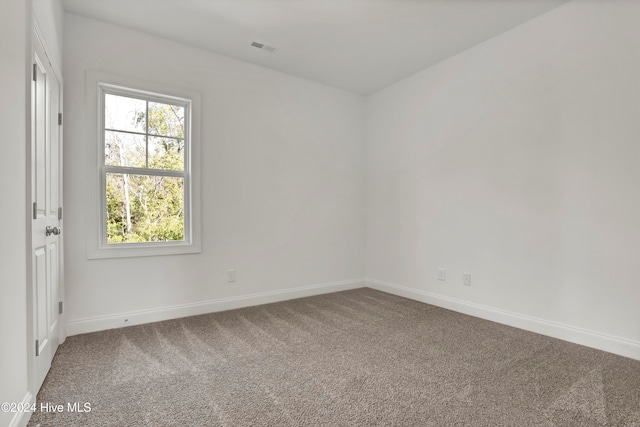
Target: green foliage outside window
(149, 206)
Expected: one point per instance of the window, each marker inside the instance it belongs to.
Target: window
(146, 173)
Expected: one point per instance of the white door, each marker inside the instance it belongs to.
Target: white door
(47, 212)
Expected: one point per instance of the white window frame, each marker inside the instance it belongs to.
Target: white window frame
(99, 84)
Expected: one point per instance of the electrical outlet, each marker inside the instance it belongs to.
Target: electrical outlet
(442, 274)
(466, 279)
(231, 275)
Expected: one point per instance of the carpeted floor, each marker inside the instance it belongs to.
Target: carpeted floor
(353, 358)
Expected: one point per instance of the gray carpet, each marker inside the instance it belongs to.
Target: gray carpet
(354, 358)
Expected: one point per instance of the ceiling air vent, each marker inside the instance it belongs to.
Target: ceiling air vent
(263, 46)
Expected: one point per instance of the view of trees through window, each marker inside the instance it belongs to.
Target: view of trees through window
(144, 170)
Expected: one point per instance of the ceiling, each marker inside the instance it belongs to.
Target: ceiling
(360, 46)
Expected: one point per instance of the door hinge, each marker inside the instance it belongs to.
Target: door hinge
(59, 119)
(35, 72)
(60, 213)
(60, 307)
(37, 348)
(35, 210)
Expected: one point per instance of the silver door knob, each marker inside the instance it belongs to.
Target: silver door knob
(52, 230)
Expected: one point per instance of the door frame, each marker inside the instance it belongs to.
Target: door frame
(37, 35)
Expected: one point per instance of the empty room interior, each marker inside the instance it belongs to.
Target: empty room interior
(320, 212)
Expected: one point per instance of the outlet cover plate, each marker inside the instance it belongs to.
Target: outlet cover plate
(466, 279)
(231, 275)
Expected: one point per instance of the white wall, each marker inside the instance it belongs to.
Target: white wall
(517, 161)
(282, 170)
(14, 50)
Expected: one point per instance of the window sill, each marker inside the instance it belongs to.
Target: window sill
(130, 250)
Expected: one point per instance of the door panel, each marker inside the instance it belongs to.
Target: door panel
(40, 135)
(53, 298)
(40, 259)
(42, 344)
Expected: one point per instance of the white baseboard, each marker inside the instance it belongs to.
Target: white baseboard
(615, 345)
(101, 323)
(20, 419)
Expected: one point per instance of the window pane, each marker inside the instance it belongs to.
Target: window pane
(124, 113)
(166, 120)
(144, 208)
(124, 149)
(166, 153)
